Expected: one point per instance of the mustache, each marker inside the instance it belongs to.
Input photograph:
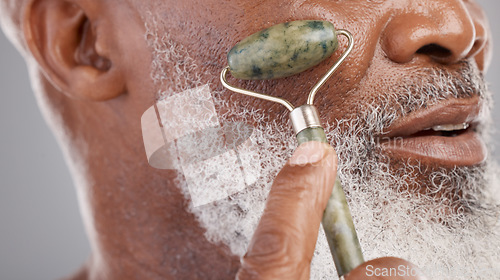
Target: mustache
(438, 84)
(418, 90)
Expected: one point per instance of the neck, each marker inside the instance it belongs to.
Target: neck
(143, 229)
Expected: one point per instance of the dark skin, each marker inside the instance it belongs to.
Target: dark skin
(90, 65)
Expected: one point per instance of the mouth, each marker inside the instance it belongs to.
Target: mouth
(443, 134)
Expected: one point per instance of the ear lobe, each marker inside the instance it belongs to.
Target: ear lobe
(63, 41)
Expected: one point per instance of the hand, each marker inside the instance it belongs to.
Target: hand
(282, 246)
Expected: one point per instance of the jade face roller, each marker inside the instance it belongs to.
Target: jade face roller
(281, 51)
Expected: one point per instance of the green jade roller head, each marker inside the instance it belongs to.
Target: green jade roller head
(284, 50)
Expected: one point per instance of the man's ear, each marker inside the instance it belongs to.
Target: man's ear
(73, 58)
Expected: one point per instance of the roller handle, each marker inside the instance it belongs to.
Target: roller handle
(337, 220)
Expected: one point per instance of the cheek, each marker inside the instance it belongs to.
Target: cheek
(215, 29)
(211, 29)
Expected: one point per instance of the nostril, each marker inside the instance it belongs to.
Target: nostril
(435, 51)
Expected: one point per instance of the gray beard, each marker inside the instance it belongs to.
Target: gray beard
(391, 219)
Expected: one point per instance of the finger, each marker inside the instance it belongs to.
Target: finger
(283, 244)
(387, 268)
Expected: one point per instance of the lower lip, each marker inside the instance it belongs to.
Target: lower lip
(466, 149)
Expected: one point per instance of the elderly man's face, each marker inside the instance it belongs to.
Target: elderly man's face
(408, 55)
(407, 114)
(414, 82)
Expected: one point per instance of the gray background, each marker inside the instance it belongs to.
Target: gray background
(41, 233)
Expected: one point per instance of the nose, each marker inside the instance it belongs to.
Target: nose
(443, 30)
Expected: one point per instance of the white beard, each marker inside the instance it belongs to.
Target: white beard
(391, 220)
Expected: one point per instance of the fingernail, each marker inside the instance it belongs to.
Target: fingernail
(309, 153)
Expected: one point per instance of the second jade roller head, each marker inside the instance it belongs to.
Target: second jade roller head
(283, 50)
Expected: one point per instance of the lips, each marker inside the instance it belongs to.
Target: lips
(443, 134)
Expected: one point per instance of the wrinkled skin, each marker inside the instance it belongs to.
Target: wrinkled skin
(94, 85)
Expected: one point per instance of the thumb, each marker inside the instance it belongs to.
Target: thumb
(283, 244)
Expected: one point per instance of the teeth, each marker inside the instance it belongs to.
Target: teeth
(450, 127)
